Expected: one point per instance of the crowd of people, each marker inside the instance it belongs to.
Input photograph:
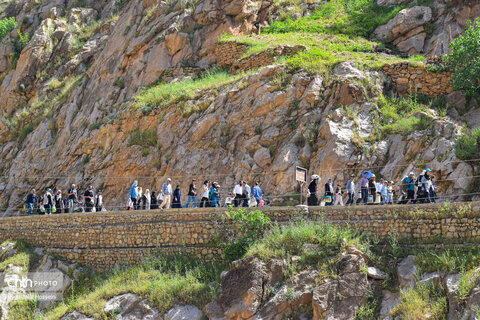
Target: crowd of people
(54, 201)
(412, 189)
(209, 195)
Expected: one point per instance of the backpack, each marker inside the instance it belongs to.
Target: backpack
(404, 184)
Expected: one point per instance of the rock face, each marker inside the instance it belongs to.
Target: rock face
(406, 272)
(130, 306)
(340, 299)
(66, 117)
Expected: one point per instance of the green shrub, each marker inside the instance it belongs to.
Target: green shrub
(467, 146)
(7, 25)
(251, 225)
(423, 299)
(464, 60)
(23, 310)
(144, 138)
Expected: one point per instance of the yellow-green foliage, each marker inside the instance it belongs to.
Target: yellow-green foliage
(421, 301)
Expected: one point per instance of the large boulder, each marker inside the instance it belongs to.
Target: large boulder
(75, 315)
(242, 290)
(183, 313)
(390, 301)
(130, 306)
(341, 298)
(406, 272)
(405, 21)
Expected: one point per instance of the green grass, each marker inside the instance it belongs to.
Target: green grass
(467, 146)
(166, 94)
(351, 17)
(144, 138)
(323, 51)
(164, 281)
(468, 281)
(420, 301)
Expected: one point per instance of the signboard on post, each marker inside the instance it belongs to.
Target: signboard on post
(301, 174)
(301, 177)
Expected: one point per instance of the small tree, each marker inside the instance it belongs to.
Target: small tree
(465, 60)
(467, 146)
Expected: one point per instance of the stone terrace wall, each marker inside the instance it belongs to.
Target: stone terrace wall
(101, 240)
(228, 55)
(408, 79)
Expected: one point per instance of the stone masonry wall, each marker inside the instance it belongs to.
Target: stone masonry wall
(228, 55)
(408, 79)
(102, 240)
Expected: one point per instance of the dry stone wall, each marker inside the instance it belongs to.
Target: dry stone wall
(408, 79)
(228, 55)
(102, 240)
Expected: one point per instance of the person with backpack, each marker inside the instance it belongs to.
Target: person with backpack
(329, 191)
(192, 193)
(205, 191)
(312, 191)
(31, 201)
(351, 190)
(424, 187)
(372, 189)
(58, 201)
(48, 201)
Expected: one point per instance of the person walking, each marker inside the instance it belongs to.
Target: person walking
(153, 201)
(424, 182)
(372, 188)
(390, 193)
(205, 192)
(379, 197)
(432, 190)
(58, 201)
(238, 193)
(177, 198)
(99, 201)
(192, 193)
(329, 191)
(148, 199)
(364, 187)
(72, 198)
(338, 196)
(351, 190)
(134, 194)
(89, 199)
(411, 187)
(31, 201)
(257, 193)
(167, 194)
(312, 190)
(48, 201)
(213, 195)
(246, 194)
(228, 200)
(140, 199)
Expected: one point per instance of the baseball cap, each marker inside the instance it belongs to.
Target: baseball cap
(169, 179)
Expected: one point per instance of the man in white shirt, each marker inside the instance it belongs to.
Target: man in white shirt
(237, 192)
(167, 194)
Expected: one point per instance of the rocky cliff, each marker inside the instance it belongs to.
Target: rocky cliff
(69, 95)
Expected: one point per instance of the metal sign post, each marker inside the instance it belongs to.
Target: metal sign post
(301, 177)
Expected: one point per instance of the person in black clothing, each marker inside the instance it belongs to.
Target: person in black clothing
(372, 188)
(89, 199)
(177, 198)
(312, 189)
(31, 202)
(153, 202)
(48, 201)
(58, 201)
(329, 191)
(72, 198)
(192, 194)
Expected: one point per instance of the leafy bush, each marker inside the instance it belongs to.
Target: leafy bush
(251, 225)
(144, 138)
(423, 299)
(7, 25)
(464, 60)
(467, 146)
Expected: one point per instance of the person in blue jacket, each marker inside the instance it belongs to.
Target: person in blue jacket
(257, 193)
(134, 194)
